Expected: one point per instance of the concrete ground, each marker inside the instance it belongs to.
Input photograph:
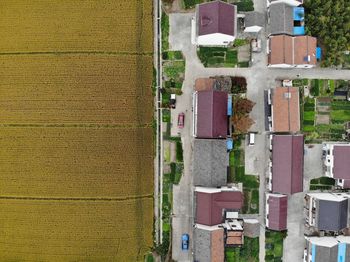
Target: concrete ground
(253, 154)
(294, 244)
(312, 164)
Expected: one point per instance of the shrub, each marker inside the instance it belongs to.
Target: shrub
(179, 151)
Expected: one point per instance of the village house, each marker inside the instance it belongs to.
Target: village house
(210, 114)
(214, 24)
(336, 159)
(285, 116)
(326, 212)
(326, 249)
(286, 51)
(210, 162)
(276, 212)
(286, 19)
(286, 168)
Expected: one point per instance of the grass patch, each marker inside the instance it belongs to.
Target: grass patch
(174, 69)
(309, 115)
(245, 5)
(250, 182)
(217, 56)
(315, 88)
(274, 245)
(320, 187)
(165, 31)
(149, 258)
(179, 151)
(340, 115)
(243, 64)
(249, 252)
(166, 115)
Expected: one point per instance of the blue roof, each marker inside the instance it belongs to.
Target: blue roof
(298, 13)
(318, 53)
(229, 143)
(341, 252)
(229, 105)
(299, 30)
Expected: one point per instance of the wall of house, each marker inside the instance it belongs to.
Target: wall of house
(291, 66)
(216, 39)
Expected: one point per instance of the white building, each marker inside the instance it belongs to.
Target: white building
(337, 162)
(326, 249)
(215, 24)
(327, 212)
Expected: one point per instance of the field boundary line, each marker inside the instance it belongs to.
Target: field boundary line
(77, 53)
(75, 126)
(75, 198)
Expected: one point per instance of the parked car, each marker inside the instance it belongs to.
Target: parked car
(185, 239)
(181, 120)
(172, 100)
(251, 137)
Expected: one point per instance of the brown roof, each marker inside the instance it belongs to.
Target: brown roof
(287, 163)
(278, 206)
(212, 121)
(204, 84)
(285, 110)
(216, 17)
(234, 238)
(341, 166)
(217, 245)
(292, 50)
(210, 206)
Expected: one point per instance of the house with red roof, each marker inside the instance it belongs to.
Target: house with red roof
(213, 205)
(276, 212)
(215, 24)
(286, 173)
(286, 51)
(337, 162)
(210, 114)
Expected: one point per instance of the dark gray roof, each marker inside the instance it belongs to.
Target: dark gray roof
(326, 254)
(210, 161)
(332, 215)
(281, 19)
(254, 18)
(202, 244)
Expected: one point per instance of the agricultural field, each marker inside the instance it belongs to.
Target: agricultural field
(75, 230)
(75, 162)
(76, 137)
(75, 26)
(76, 89)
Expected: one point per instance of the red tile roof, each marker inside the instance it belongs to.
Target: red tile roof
(285, 110)
(203, 84)
(341, 166)
(278, 206)
(292, 50)
(210, 206)
(217, 245)
(216, 17)
(287, 163)
(212, 120)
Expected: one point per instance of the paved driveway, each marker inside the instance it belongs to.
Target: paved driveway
(294, 244)
(312, 164)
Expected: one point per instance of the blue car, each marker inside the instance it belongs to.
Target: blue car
(185, 239)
